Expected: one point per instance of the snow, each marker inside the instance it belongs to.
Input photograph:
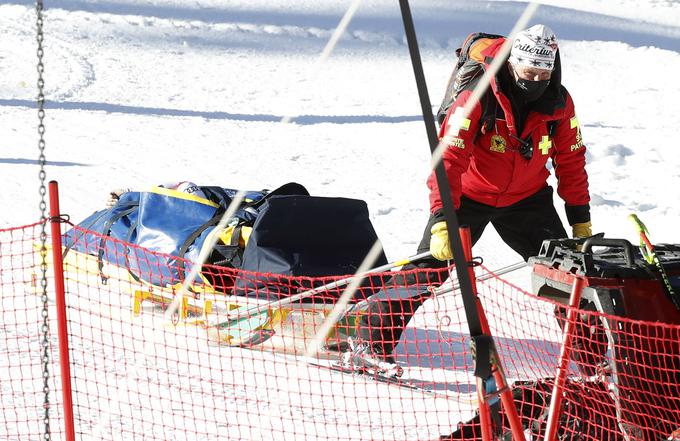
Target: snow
(147, 91)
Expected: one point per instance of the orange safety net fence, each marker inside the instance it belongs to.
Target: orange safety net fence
(137, 374)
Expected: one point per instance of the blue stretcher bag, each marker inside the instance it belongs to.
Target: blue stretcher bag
(290, 233)
(159, 221)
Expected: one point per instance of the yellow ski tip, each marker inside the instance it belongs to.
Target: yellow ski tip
(639, 226)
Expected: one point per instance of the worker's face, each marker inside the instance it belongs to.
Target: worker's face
(530, 73)
(530, 82)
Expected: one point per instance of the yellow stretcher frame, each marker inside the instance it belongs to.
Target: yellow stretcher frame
(196, 311)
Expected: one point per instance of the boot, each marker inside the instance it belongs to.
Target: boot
(367, 358)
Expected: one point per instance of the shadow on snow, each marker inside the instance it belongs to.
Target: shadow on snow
(158, 111)
(443, 25)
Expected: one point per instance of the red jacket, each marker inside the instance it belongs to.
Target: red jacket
(486, 165)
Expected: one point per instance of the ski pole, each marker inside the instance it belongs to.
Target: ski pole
(649, 253)
(243, 316)
(445, 289)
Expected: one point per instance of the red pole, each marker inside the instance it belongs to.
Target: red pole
(62, 325)
(485, 423)
(506, 398)
(563, 363)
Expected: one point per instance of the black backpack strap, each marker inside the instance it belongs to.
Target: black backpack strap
(235, 237)
(490, 108)
(193, 236)
(106, 231)
(489, 112)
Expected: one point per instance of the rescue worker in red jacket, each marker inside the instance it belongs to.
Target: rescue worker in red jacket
(497, 170)
(498, 173)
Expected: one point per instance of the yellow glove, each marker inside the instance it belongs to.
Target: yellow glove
(226, 235)
(583, 229)
(440, 247)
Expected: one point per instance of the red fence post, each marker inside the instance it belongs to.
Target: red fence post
(485, 422)
(62, 325)
(503, 389)
(563, 362)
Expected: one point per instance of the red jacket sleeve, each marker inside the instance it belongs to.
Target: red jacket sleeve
(457, 134)
(569, 160)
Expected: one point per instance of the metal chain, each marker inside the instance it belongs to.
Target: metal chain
(45, 328)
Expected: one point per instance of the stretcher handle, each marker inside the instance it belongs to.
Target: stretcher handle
(602, 242)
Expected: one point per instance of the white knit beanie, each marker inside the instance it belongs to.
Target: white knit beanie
(535, 47)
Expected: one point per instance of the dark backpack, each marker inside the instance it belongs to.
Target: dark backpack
(468, 70)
